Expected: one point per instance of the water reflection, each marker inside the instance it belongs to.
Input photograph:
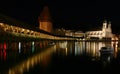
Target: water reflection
(30, 55)
(19, 47)
(32, 61)
(3, 47)
(91, 49)
(90, 52)
(88, 48)
(33, 47)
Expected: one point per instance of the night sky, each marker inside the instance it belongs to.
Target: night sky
(69, 14)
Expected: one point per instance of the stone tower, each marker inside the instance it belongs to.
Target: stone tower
(45, 21)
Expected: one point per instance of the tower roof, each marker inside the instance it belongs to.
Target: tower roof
(45, 14)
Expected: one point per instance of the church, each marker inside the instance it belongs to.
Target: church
(105, 32)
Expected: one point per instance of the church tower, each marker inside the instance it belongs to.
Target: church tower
(104, 25)
(109, 30)
(45, 21)
(104, 29)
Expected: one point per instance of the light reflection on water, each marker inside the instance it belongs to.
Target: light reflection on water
(62, 48)
(91, 48)
(30, 62)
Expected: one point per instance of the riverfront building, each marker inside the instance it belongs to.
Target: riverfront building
(105, 32)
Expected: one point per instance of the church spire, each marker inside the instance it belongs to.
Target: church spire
(105, 24)
(109, 26)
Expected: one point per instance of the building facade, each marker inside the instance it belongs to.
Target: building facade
(74, 33)
(105, 32)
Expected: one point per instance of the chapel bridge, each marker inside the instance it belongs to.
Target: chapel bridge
(13, 30)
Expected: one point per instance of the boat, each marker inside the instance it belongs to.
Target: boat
(107, 49)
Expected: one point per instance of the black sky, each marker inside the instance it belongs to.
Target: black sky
(70, 14)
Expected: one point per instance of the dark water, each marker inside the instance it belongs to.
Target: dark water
(62, 57)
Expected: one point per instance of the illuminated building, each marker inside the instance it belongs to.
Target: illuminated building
(106, 31)
(78, 34)
(59, 32)
(69, 33)
(45, 21)
(74, 33)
